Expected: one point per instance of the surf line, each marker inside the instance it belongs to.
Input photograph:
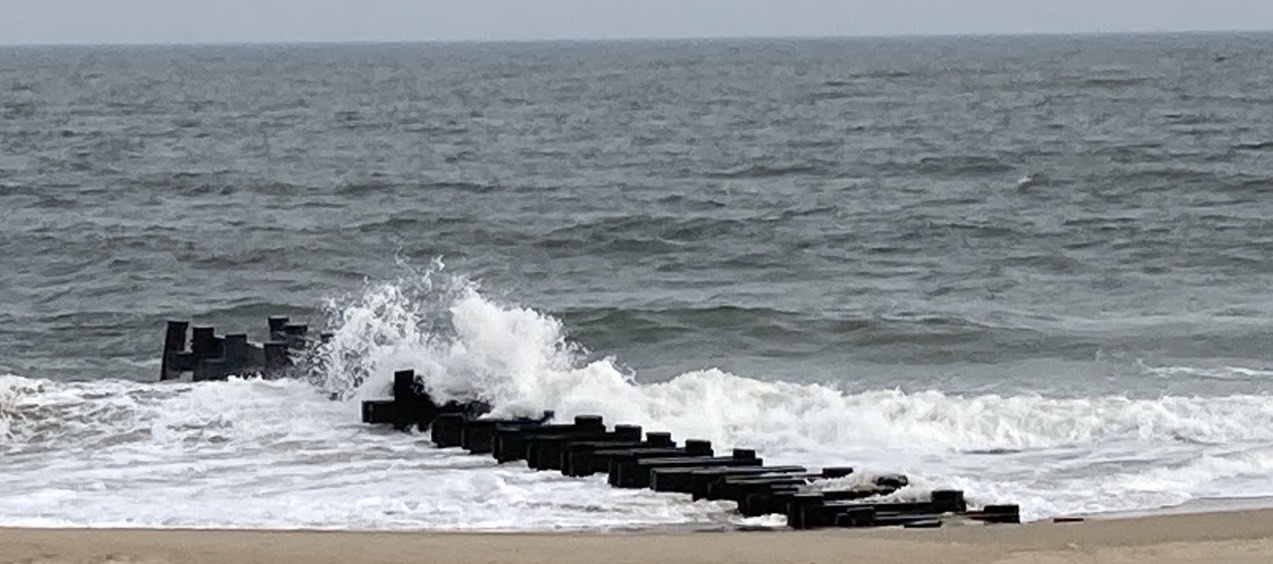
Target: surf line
(586, 446)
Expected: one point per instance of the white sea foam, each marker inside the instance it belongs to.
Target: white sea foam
(520, 360)
(1221, 373)
(249, 453)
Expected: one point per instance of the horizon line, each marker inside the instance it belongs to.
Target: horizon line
(646, 39)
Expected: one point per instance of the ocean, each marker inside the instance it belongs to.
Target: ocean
(1033, 268)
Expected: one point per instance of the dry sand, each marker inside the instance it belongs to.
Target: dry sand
(1235, 537)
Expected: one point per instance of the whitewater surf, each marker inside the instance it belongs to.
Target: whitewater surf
(250, 453)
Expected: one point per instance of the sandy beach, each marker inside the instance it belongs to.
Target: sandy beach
(1230, 537)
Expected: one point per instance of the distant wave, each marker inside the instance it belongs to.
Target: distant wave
(649, 232)
(770, 171)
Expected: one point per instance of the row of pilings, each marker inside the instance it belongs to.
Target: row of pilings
(632, 458)
(626, 454)
(206, 356)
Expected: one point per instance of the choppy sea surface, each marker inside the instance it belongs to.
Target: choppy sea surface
(1034, 268)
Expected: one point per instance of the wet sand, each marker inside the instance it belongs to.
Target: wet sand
(1236, 537)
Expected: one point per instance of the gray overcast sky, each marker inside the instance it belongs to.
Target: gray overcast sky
(194, 21)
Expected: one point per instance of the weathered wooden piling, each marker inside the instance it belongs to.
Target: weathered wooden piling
(468, 409)
(447, 430)
(276, 357)
(405, 386)
(378, 412)
(637, 472)
(404, 410)
(579, 459)
(544, 452)
(204, 343)
(176, 359)
(776, 499)
(295, 335)
(853, 517)
(770, 502)
(715, 483)
(210, 369)
(217, 358)
(685, 479)
(175, 336)
(949, 501)
(510, 443)
(737, 486)
(416, 407)
(242, 357)
(276, 324)
(804, 511)
(413, 407)
(608, 461)
(833, 472)
(478, 435)
(813, 510)
(1010, 513)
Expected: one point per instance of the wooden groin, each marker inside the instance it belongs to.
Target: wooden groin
(206, 356)
(633, 459)
(629, 456)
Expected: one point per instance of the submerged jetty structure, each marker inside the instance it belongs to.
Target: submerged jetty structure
(629, 456)
(206, 356)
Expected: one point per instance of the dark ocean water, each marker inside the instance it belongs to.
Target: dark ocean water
(1034, 268)
(1045, 213)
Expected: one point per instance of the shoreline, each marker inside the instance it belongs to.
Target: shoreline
(1202, 506)
(1236, 536)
